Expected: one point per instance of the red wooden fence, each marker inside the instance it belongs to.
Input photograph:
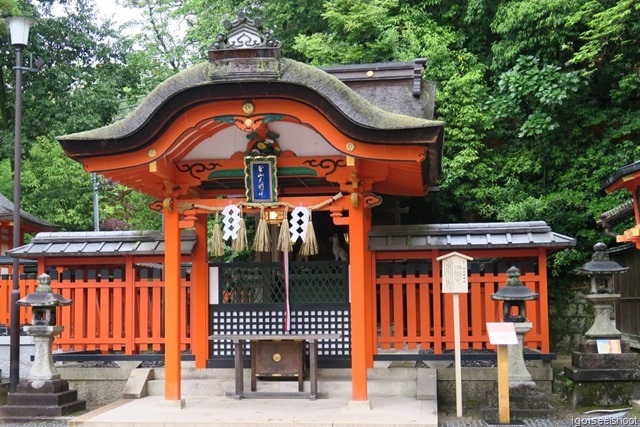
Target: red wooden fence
(113, 314)
(412, 312)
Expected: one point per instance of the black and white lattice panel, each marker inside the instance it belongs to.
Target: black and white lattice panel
(330, 321)
(326, 321)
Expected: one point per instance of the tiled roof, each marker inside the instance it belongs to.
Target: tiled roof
(496, 235)
(100, 243)
(6, 213)
(617, 214)
(620, 173)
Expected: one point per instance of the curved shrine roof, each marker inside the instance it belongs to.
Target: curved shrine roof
(366, 121)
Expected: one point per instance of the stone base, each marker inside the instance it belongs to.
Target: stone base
(4, 390)
(42, 398)
(605, 361)
(526, 400)
(591, 346)
(510, 423)
(603, 387)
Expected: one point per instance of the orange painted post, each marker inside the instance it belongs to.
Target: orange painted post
(373, 322)
(357, 260)
(200, 295)
(543, 300)
(184, 327)
(155, 319)
(118, 316)
(106, 319)
(425, 312)
(4, 301)
(129, 306)
(477, 319)
(398, 315)
(385, 313)
(437, 303)
(144, 319)
(369, 294)
(79, 310)
(173, 304)
(92, 316)
(412, 314)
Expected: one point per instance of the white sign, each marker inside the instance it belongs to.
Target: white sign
(454, 273)
(502, 333)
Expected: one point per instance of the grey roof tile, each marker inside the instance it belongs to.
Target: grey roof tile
(467, 236)
(100, 243)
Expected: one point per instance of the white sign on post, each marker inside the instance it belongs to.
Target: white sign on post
(454, 273)
(502, 333)
(455, 281)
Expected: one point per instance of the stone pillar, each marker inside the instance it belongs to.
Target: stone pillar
(43, 367)
(518, 372)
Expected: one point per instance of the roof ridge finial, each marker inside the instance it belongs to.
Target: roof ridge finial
(245, 37)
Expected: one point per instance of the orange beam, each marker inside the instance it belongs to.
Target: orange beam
(172, 303)
(342, 202)
(196, 124)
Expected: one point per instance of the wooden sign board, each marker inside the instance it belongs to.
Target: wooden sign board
(502, 333)
(454, 273)
(261, 179)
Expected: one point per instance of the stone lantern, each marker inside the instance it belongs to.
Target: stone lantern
(604, 371)
(601, 271)
(526, 399)
(514, 294)
(43, 327)
(43, 393)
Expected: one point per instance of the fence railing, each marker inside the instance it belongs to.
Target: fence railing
(412, 311)
(110, 312)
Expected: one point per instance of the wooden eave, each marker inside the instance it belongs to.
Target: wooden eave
(626, 177)
(145, 150)
(179, 104)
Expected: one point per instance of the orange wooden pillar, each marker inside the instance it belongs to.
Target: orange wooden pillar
(172, 302)
(360, 266)
(200, 295)
(543, 299)
(370, 285)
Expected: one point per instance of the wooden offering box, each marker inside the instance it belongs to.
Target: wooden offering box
(277, 359)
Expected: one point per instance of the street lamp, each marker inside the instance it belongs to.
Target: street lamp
(19, 28)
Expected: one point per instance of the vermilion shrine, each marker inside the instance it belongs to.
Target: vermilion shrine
(307, 153)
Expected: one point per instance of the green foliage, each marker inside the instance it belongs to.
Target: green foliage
(56, 188)
(358, 31)
(538, 28)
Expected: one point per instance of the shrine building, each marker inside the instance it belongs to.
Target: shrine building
(252, 144)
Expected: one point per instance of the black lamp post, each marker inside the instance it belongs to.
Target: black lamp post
(19, 27)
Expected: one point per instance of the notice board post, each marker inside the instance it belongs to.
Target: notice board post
(503, 334)
(455, 281)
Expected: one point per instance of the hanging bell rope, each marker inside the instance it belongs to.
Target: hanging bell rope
(309, 241)
(216, 245)
(240, 243)
(262, 240)
(284, 238)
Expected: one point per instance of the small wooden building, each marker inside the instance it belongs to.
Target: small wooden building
(627, 254)
(29, 224)
(251, 133)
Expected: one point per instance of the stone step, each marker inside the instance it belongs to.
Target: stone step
(42, 411)
(400, 373)
(42, 399)
(332, 387)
